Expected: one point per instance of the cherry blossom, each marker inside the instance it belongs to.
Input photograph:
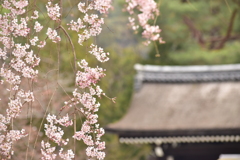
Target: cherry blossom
(53, 11)
(67, 156)
(37, 26)
(21, 32)
(48, 151)
(54, 132)
(35, 15)
(147, 10)
(99, 53)
(52, 34)
(19, 63)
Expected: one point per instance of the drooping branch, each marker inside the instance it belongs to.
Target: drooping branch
(195, 32)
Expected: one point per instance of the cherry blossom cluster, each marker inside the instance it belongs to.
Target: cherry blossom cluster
(6, 141)
(18, 64)
(90, 25)
(86, 79)
(52, 34)
(68, 155)
(37, 26)
(99, 5)
(53, 10)
(89, 76)
(148, 10)
(15, 7)
(90, 132)
(47, 151)
(55, 133)
(99, 53)
(19, 40)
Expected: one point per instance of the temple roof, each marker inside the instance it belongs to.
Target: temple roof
(186, 74)
(183, 101)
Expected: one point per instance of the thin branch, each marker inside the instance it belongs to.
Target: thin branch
(45, 114)
(157, 50)
(75, 129)
(228, 5)
(64, 90)
(31, 120)
(73, 48)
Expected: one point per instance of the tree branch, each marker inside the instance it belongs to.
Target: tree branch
(229, 30)
(217, 39)
(195, 32)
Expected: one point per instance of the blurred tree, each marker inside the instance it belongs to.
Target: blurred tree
(210, 23)
(194, 29)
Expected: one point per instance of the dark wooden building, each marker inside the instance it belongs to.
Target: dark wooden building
(184, 112)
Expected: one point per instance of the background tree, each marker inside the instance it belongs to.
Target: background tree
(198, 32)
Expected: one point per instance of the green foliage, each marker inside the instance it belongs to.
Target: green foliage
(228, 55)
(210, 18)
(195, 55)
(118, 151)
(205, 14)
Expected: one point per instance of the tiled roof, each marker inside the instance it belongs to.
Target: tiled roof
(178, 109)
(186, 74)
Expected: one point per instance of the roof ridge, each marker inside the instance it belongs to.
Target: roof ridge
(190, 68)
(185, 74)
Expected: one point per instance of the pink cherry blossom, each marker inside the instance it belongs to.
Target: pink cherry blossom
(53, 11)
(23, 34)
(147, 10)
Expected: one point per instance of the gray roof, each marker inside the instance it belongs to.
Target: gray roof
(206, 107)
(186, 74)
